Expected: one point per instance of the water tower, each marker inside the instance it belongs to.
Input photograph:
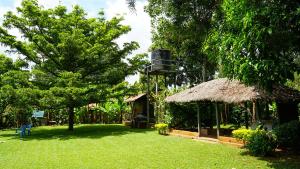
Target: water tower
(160, 61)
(161, 65)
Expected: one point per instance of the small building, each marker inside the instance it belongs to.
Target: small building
(224, 90)
(138, 106)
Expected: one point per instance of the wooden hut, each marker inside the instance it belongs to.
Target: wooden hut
(224, 90)
(138, 106)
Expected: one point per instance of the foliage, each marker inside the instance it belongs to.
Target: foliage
(239, 115)
(168, 117)
(242, 134)
(181, 27)
(18, 96)
(112, 110)
(296, 82)
(252, 43)
(162, 128)
(76, 57)
(184, 116)
(160, 105)
(259, 142)
(288, 134)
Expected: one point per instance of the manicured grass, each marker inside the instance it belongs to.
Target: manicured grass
(116, 146)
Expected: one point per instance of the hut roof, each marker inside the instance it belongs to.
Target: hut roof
(134, 98)
(232, 91)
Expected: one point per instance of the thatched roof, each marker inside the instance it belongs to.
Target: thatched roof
(134, 98)
(232, 91)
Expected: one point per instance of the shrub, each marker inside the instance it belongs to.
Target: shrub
(161, 128)
(242, 134)
(288, 134)
(261, 142)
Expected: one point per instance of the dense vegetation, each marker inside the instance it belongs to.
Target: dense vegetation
(255, 42)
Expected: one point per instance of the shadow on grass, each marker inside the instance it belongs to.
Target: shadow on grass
(280, 160)
(81, 131)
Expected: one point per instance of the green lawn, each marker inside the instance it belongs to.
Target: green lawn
(116, 146)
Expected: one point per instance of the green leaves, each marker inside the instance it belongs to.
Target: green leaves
(181, 27)
(73, 55)
(255, 41)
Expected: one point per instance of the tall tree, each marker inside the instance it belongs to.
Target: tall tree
(79, 55)
(256, 41)
(182, 26)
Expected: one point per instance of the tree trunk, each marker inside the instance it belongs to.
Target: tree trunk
(71, 118)
(204, 71)
(121, 117)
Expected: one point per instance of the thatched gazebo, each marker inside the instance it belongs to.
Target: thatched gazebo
(233, 91)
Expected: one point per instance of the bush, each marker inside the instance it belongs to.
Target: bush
(161, 128)
(259, 142)
(288, 134)
(242, 134)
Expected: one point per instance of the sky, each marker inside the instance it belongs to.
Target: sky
(139, 21)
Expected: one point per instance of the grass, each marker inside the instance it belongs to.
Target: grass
(228, 126)
(119, 147)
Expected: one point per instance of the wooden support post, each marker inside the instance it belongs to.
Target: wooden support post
(199, 120)
(246, 111)
(253, 111)
(148, 96)
(246, 115)
(226, 114)
(221, 116)
(211, 118)
(217, 119)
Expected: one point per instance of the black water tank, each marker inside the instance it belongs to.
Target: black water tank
(160, 60)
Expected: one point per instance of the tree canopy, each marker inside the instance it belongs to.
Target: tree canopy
(73, 55)
(17, 94)
(182, 27)
(256, 41)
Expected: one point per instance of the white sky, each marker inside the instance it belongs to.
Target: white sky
(138, 21)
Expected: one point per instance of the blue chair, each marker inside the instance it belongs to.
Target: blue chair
(22, 130)
(29, 126)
